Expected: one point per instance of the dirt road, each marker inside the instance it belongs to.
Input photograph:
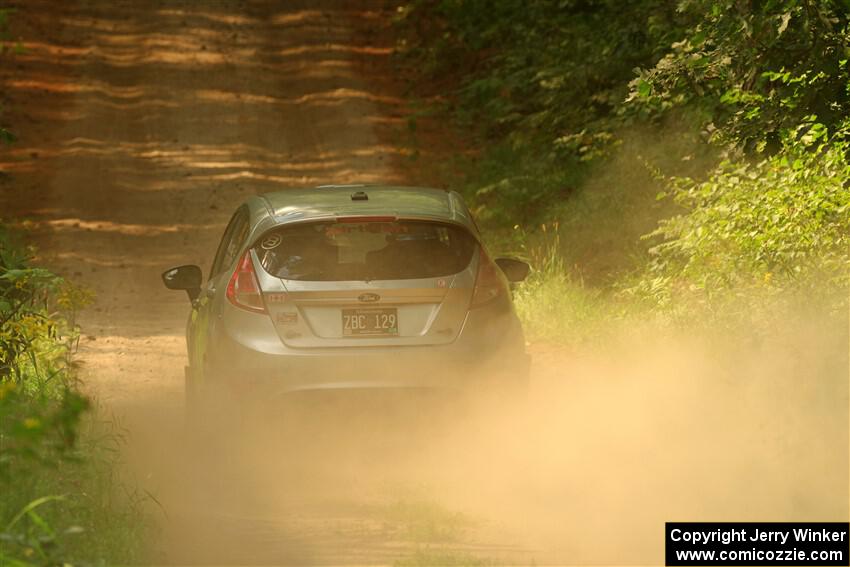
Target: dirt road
(142, 125)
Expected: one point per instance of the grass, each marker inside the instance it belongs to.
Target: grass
(728, 245)
(425, 521)
(554, 304)
(61, 498)
(76, 510)
(443, 558)
(434, 530)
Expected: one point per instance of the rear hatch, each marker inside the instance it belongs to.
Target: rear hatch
(367, 281)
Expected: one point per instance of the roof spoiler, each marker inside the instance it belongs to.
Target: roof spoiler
(342, 186)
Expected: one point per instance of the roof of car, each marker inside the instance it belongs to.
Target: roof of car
(342, 200)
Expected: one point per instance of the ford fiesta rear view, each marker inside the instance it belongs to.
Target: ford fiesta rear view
(352, 287)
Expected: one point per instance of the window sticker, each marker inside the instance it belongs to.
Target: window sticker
(270, 242)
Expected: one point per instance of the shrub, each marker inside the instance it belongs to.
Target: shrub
(57, 487)
(781, 223)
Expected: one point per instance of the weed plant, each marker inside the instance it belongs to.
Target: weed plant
(61, 500)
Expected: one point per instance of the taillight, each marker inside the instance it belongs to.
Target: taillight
(489, 283)
(243, 291)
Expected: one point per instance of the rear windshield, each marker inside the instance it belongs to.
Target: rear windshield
(385, 250)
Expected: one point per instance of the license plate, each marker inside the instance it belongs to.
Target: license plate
(370, 322)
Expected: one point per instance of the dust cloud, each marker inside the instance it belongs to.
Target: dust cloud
(610, 443)
(131, 168)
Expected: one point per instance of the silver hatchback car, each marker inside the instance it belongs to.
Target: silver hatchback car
(352, 287)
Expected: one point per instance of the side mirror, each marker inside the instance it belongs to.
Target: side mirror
(515, 270)
(187, 278)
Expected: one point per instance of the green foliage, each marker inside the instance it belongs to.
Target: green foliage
(782, 223)
(40, 408)
(601, 209)
(35, 338)
(556, 87)
(557, 77)
(552, 288)
(544, 84)
(72, 510)
(36, 431)
(57, 487)
(510, 186)
(757, 69)
(552, 72)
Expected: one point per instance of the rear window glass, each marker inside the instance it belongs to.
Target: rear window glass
(385, 250)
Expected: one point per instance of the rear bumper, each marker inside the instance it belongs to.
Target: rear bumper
(262, 375)
(460, 366)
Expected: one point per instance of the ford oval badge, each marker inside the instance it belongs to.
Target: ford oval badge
(369, 297)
